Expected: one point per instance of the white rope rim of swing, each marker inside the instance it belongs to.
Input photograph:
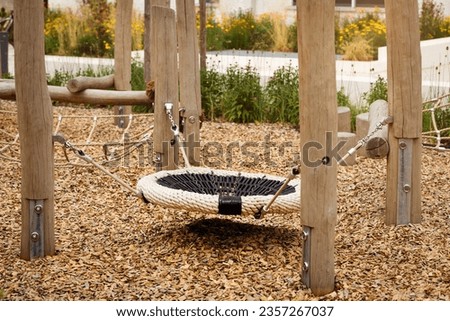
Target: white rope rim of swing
(207, 203)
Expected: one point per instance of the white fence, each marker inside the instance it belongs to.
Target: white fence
(354, 77)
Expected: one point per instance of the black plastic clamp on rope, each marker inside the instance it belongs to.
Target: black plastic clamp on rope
(230, 205)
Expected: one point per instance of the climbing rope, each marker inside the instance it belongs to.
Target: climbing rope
(439, 111)
(130, 141)
(82, 155)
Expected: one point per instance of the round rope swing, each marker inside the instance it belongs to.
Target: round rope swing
(219, 191)
(212, 191)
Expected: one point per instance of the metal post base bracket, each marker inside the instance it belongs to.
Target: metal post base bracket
(306, 234)
(404, 181)
(36, 212)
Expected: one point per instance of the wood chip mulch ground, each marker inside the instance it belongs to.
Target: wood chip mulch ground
(112, 246)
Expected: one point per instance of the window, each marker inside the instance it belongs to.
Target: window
(343, 3)
(360, 3)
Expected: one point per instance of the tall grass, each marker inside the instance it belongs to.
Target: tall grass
(88, 31)
(280, 33)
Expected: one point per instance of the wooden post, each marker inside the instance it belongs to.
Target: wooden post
(403, 199)
(318, 123)
(122, 56)
(148, 34)
(202, 38)
(378, 146)
(164, 65)
(35, 120)
(189, 75)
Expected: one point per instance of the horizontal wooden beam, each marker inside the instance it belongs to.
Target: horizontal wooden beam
(81, 83)
(88, 96)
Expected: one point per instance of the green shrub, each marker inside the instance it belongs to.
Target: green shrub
(61, 77)
(238, 30)
(61, 31)
(431, 20)
(242, 97)
(234, 96)
(292, 37)
(378, 90)
(367, 27)
(263, 36)
(138, 83)
(243, 31)
(343, 99)
(88, 31)
(98, 35)
(212, 87)
(281, 96)
(87, 45)
(215, 36)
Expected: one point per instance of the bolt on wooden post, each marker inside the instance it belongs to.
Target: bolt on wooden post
(403, 195)
(35, 118)
(318, 123)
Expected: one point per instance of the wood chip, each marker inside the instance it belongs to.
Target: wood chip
(112, 246)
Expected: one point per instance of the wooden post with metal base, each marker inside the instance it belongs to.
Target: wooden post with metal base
(35, 118)
(403, 203)
(318, 123)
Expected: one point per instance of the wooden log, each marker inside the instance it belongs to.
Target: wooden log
(88, 96)
(164, 65)
(35, 119)
(122, 56)
(350, 141)
(362, 129)
(403, 191)
(81, 83)
(344, 119)
(148, 34)
(318, 122)
(377, 146)
(189, 77)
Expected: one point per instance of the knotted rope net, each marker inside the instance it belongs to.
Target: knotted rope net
(436, 123)
(105, 143)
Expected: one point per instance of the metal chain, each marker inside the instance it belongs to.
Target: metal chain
(169, 109)
(176, 131)
(377, 128)
(296, 170)
(364, 140)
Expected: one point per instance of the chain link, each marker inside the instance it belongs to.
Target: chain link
(173, 126)
(377, 128)
(176, 132)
